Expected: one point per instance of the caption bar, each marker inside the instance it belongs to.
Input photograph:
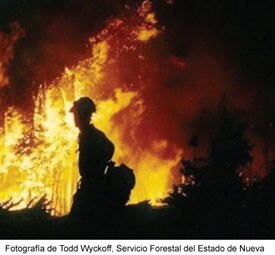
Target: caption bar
(73, 247)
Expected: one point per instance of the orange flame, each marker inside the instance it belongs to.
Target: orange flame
(41, 156)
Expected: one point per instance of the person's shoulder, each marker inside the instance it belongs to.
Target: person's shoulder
(97, 135)
(96, 131)
(100, 135)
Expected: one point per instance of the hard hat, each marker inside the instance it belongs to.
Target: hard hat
(83, 105)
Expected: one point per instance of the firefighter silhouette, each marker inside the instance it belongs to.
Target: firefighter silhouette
(95, 151)
(101, 184)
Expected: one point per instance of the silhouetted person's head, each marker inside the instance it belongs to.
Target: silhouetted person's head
(83, 108)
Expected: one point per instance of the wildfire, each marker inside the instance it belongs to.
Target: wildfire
(38, 153)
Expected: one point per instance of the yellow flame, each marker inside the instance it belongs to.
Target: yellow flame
(146, 34)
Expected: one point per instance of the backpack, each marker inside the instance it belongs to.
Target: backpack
(120, 181)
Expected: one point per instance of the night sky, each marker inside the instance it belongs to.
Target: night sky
(238, 34)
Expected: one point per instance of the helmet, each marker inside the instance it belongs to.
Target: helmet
(83, 106)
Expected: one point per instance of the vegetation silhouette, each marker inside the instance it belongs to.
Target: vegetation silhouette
(214, 196)
(214, 201)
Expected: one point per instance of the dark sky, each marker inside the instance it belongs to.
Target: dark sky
(245, 28)
(241, 31)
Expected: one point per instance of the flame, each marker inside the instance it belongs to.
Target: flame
(147, 30)
(146, 34)
(38, 153)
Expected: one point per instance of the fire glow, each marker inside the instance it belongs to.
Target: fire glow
(38, 153)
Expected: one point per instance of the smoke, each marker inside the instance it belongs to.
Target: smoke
(7, 42)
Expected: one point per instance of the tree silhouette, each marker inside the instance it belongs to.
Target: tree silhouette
(213, 186)
(194, 143)
(229, 156)
(230, 150)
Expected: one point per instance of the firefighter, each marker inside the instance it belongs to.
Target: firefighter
(95, 152)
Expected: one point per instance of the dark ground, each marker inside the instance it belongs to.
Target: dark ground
(138, 222)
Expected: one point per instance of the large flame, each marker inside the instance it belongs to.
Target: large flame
(38, 153)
